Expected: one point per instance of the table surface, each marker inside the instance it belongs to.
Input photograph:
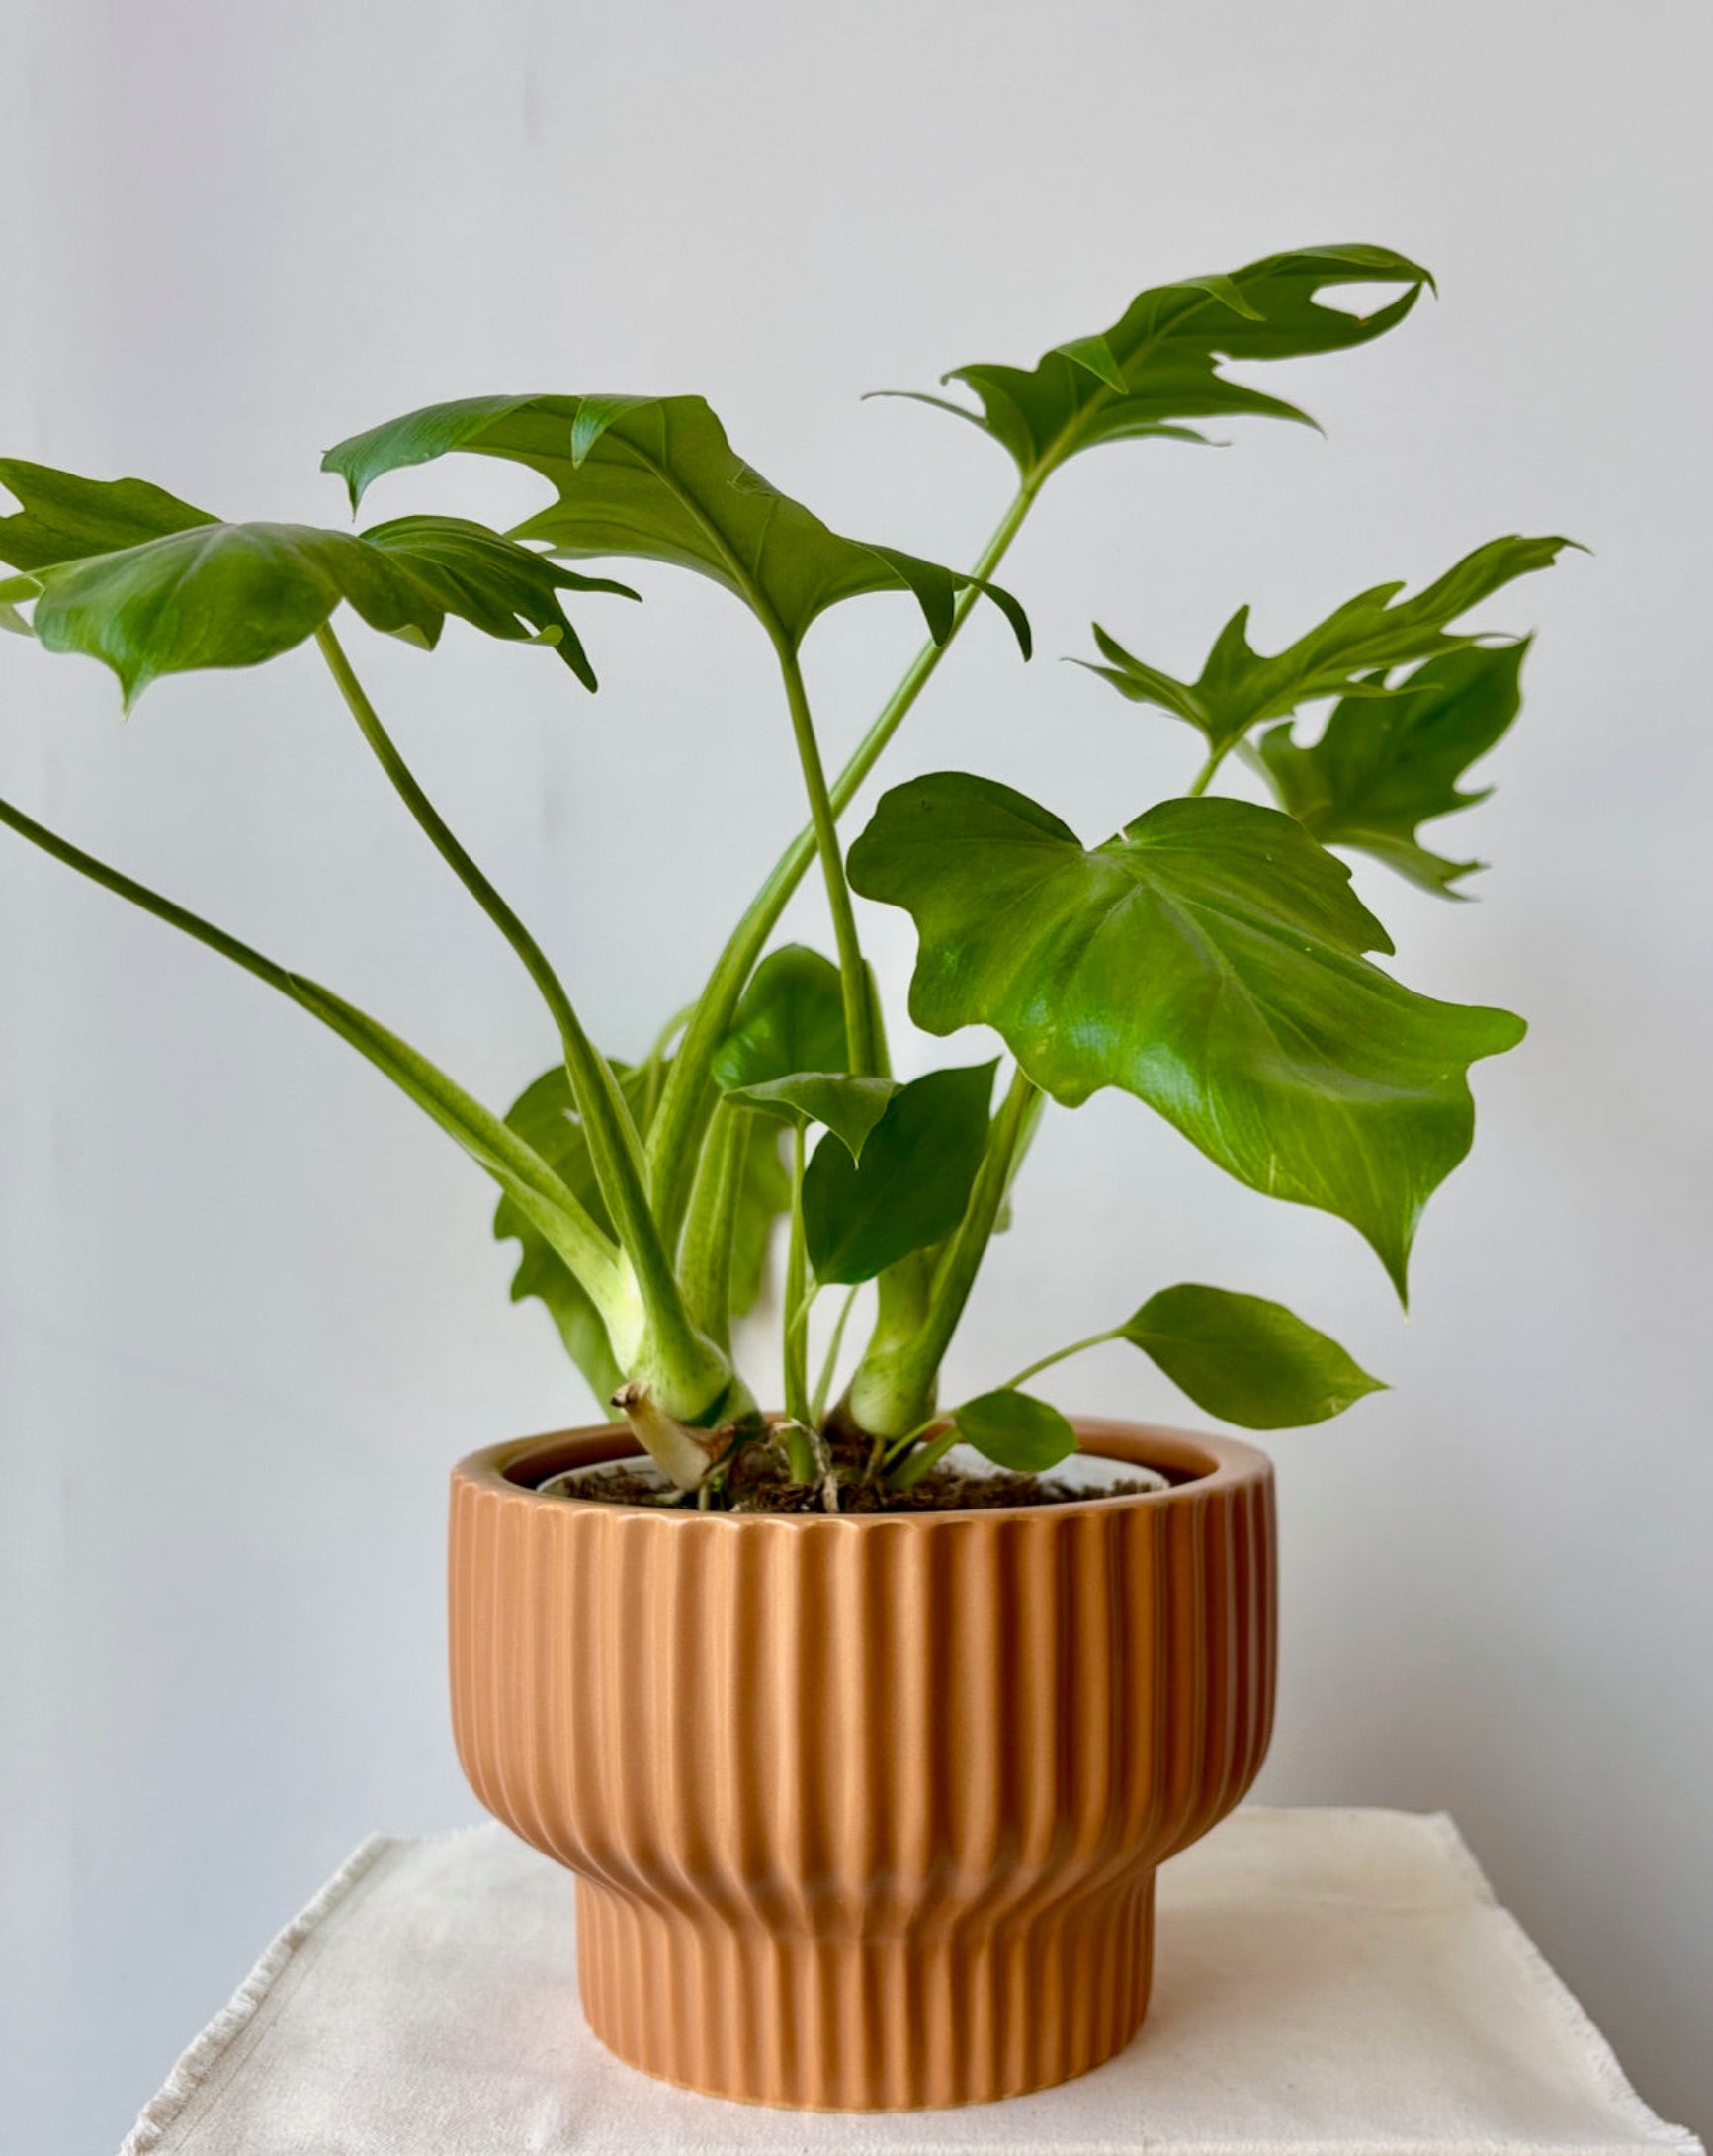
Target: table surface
(1329, 1983)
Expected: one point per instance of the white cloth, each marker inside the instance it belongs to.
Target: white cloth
(1328, 1983)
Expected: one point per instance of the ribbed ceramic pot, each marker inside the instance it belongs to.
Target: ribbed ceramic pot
(865, 1813)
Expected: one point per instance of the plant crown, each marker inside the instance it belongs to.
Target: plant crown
(1211, 958)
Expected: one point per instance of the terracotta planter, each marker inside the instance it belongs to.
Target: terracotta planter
(864, 1813)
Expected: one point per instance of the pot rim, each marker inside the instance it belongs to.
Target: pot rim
(1205, 1463)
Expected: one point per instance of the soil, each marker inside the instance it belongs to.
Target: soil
(766, 1489)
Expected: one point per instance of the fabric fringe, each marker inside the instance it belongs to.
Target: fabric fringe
(1603, 2061)
(205, 2053)
(1652, 2133)
(1566, 2008)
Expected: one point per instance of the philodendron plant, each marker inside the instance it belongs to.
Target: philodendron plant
(1211, 958)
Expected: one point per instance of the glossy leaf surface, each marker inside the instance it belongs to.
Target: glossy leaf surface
(206, 594)
(1161, 362)
(1246, 1359)
(1209, 960)
(1383, 765)
(791, 1017)
(656, 477)
(61, 517)
(1016, 1430)
(909, 1190)
(1377, 629)
(849, 1107)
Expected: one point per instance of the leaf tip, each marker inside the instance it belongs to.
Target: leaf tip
(338, 468)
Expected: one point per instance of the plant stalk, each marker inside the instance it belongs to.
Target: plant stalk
(796, 1296)
(859, 1011)
(921, 1460)
(705, 1252)
(829, 1363)
(690, 1375)
(497, 1148)
(892, 1390)
(1061, 1354)
(673, 1138)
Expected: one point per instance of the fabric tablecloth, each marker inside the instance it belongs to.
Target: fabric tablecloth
(1328, 1983)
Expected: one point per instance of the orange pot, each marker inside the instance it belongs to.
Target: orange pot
(864, 1812)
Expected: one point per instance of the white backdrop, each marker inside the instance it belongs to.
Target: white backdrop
(249, 1310)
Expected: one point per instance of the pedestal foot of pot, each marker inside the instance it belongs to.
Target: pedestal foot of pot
(960, 2014)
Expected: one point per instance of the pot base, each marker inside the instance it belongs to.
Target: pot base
(978, 2009)
(865, 1810)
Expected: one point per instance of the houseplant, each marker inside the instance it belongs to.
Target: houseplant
(723, 1692)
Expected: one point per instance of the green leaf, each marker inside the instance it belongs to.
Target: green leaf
(1016, 1430)
(547, 1120)
(1384, 764)
(1246, 1359)
(239, 594)
(63, 518)
(849, 1107)
(1158, 364)
(543, 1117)
(909, 1190)
(656, 476)
(1208, 960)
(1238, 688)
(490, 581)
(791, 1018)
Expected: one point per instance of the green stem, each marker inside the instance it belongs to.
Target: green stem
(1204, 777)
(654, 1060)
(903, 1297)
(798, 1299)
(705, 1252)
(892, 1391)
(853, 973)
(673, 1138)
(921, 1460)
(829, 1363)
(516, 1166)
(891, 1450)
(1061, 1354)
(690, 1374)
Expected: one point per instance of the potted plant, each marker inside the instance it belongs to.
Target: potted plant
(865, 1749)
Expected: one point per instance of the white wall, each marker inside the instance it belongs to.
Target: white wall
(248, 1307)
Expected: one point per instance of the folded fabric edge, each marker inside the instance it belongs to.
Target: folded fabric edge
(1651, 2132)
(1561, 2003)
(199, 2061)
(1580, 2029)
(1459, 1855)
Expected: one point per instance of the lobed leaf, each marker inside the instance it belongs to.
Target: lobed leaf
(198, 593)
(911, 1187)
(1246, 1359)
(656, 477)
(64, 518)
(1015, 1430)
(1383, 765)
(1239, 687)
(1210, 959)
(1159, 364)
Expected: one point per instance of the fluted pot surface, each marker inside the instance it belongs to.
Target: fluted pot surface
(864, 1812)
